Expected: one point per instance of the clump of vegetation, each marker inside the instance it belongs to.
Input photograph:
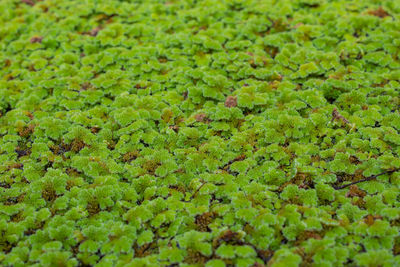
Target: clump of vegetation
(199, 133)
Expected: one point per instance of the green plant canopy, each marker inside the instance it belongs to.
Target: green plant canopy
(209, 133)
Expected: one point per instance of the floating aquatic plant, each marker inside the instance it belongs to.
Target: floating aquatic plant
(199, 133)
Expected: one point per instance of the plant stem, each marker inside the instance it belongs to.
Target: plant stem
(364, 180)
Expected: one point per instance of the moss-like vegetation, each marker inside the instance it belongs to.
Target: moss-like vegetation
(199, 133)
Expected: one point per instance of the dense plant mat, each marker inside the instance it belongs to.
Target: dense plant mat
(199, 133)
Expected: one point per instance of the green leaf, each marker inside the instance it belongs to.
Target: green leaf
(215, 263)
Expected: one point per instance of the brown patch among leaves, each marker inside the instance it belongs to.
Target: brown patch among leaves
(129, 156)
(10, 201)
(306, 257)
(27, 130)
(95, 129)
(272, 51)
(308, 235)
(167, 115)
(145, 250)
(21, 197)
(200, 117)
(202, 221)
(70, 184)
(162, 59)
(150, 166)
(298, 25)
(381, 84)
(7, 63)
(370, 219)
(44, 8)
(178, 188)
(29, 114)
(6, 247)
(380, 12)
(139, 86)
(396, 248)
(31, 67)
(111, 144)
(94, 31)
(354, 160)
(36, 39)
(336, 116)
(354, 191)
(5, 185)
(72, 172)
(231, 101)
(301, 179)
(275, 84)
(15, 166)
(93, 207)
(85, 86)
(8, 77)
(174, 127)
(264, 255)
(60, 149)
(77, 145)
(22, 152)
(227, 236)
(48, 193)
(195, 257)
(28, 2)
(315, 158)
